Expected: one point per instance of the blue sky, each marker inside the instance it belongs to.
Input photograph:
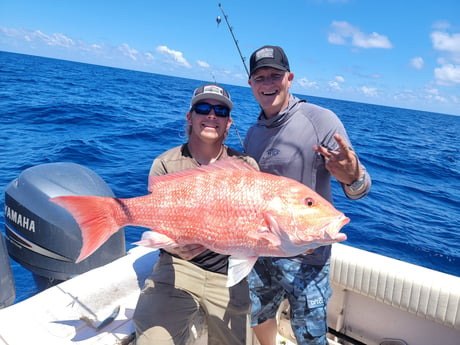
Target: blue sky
(398, 53)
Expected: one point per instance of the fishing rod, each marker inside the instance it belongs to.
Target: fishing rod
(234, 38)
(242, 59)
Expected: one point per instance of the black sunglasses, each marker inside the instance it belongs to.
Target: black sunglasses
(205, 109)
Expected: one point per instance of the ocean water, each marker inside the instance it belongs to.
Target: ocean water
(116, 122)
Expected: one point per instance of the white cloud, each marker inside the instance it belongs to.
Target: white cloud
(149, 56)
(417, 62)
(39, 41)
(8, 32)
(56, 39)
(441, 25)
(442, 60)
(334, 85)
(405, 95)
(128, 51)
(432, 91)
(368, 91)
(373, 40)
(448, 74)
(432, 94)
(36, 35)
(202, 64)
(335, 38)
(173, 56)
(344, 33)
(303, 82)
(240, 76)
(446, 42)
(339, 79)
(61, 40)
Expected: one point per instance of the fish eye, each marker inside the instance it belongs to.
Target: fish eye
(309, 202)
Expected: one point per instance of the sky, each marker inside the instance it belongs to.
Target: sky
(400, 53)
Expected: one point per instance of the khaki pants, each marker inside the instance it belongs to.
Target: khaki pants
(179, 299)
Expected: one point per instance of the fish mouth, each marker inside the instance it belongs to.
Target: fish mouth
(333, 228)
(343, 220)
(331, 232)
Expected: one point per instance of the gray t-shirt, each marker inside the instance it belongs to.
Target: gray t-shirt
(282, 145)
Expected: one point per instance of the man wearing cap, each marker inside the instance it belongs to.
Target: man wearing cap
(307, 143)
(186, 290)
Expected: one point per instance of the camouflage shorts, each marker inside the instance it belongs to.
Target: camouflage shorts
(305, 286)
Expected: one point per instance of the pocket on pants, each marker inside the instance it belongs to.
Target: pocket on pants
(239, 296)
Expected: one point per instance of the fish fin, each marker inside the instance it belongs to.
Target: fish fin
(93, 215)
(283, 241)
(265, 237)
(156, 240)
(239, 268)
(226, 164)
(269, 231)
(270, 234)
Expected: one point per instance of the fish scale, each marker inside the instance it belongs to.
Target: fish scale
(228, 207)
(205, 213)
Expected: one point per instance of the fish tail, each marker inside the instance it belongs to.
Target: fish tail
(96, 217)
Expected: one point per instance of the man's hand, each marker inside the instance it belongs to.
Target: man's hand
(342, 164)
(187, 251)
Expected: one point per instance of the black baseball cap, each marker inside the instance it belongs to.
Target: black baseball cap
(269, 56)
(212, 91)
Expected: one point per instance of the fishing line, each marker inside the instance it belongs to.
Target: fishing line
(218, 19)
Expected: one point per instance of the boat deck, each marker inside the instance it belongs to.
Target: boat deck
(375, 299)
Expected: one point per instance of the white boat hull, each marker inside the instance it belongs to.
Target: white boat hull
(375, 299)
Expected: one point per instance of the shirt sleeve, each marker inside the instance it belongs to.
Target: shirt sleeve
(158, 168)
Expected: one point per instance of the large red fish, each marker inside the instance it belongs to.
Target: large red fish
(228, 207)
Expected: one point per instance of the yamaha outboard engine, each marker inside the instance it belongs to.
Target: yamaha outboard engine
(7, 289)
(42, 236)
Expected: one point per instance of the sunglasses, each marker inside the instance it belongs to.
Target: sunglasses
(205, 109)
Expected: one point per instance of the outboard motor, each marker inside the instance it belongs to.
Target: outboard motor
(42, 236)
(7, 288)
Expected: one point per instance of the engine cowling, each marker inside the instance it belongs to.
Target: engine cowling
(42, 236)
(7, 288)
